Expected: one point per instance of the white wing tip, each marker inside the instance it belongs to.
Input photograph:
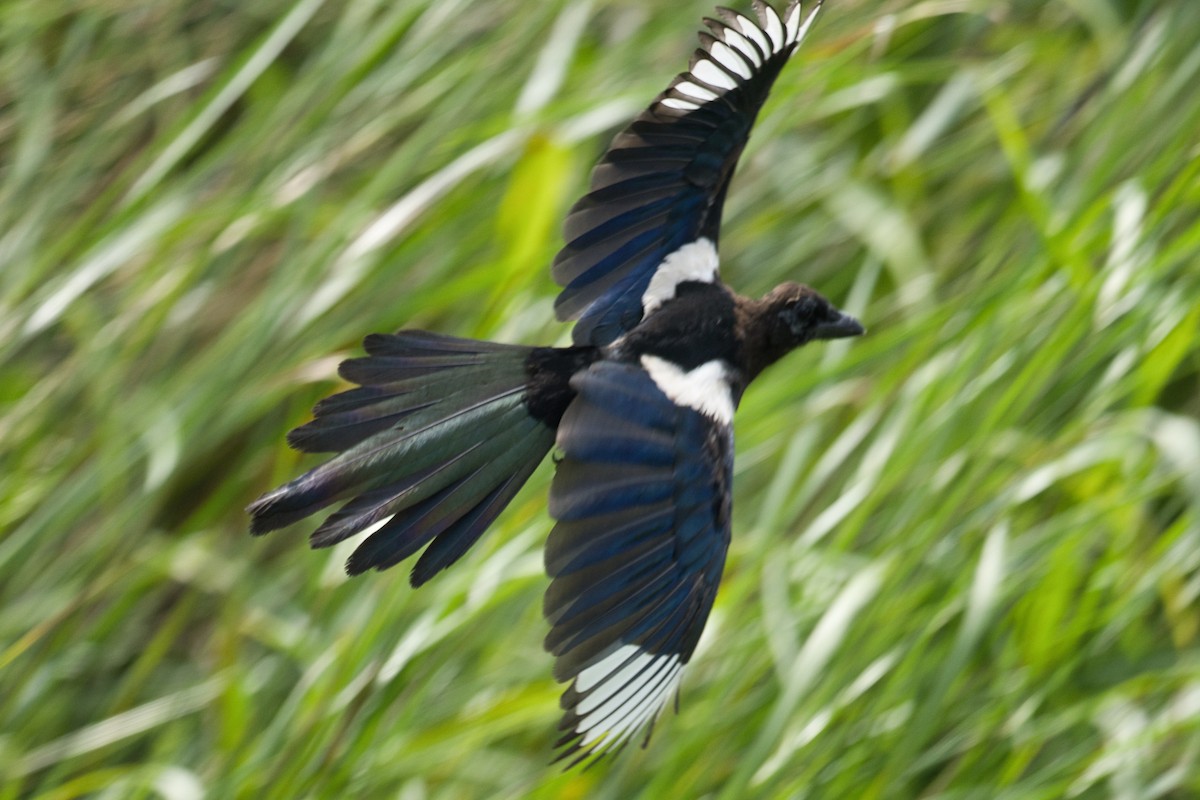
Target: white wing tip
(797, 30)
(623, 693)
(738, 51)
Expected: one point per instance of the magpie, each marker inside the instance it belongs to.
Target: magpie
(440, 433)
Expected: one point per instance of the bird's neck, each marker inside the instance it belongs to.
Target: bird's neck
(764, 338)
(707, 322)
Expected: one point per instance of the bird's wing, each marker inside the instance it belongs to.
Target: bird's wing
(642, 500)
(651, 216)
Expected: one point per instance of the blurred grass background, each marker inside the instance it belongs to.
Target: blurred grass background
(966, 559)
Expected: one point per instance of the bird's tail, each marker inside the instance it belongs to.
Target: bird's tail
(432, 445)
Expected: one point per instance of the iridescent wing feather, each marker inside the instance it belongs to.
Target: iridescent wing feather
(652, 215)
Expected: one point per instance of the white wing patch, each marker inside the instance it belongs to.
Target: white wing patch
(774, 27)
(727, 57)
(796, 30)
(739, 49)
(695, 261)
(695, 90)
(714, 76)
(681, 104)
(752, 31)
(743, 45)
(704, 388)
(623, 692)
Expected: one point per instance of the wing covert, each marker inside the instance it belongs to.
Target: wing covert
(642, 501)
(652, 215)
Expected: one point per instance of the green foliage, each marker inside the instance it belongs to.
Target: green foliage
(966, 559)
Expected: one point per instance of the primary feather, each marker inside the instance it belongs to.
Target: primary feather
(660, 187)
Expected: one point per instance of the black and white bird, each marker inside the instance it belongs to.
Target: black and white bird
(441, 432)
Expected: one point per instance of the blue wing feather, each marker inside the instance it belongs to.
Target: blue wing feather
(641, 499)
(661, 185)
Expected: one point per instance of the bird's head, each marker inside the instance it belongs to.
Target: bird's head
(789, 316)
(800, 315)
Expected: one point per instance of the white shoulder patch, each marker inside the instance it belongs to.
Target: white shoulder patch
(705, 388)
(695, 261)
(623, 692)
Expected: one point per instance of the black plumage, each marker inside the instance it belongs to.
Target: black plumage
(440, 433)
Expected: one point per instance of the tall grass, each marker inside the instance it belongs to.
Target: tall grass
(966, 558)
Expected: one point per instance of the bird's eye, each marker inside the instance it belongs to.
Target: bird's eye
(805, 307)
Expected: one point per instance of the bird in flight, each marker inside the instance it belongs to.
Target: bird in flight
(440, 432)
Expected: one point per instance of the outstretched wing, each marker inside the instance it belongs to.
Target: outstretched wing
(641, 496)
(653, 212)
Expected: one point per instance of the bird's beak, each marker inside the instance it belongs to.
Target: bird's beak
(839, 328)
